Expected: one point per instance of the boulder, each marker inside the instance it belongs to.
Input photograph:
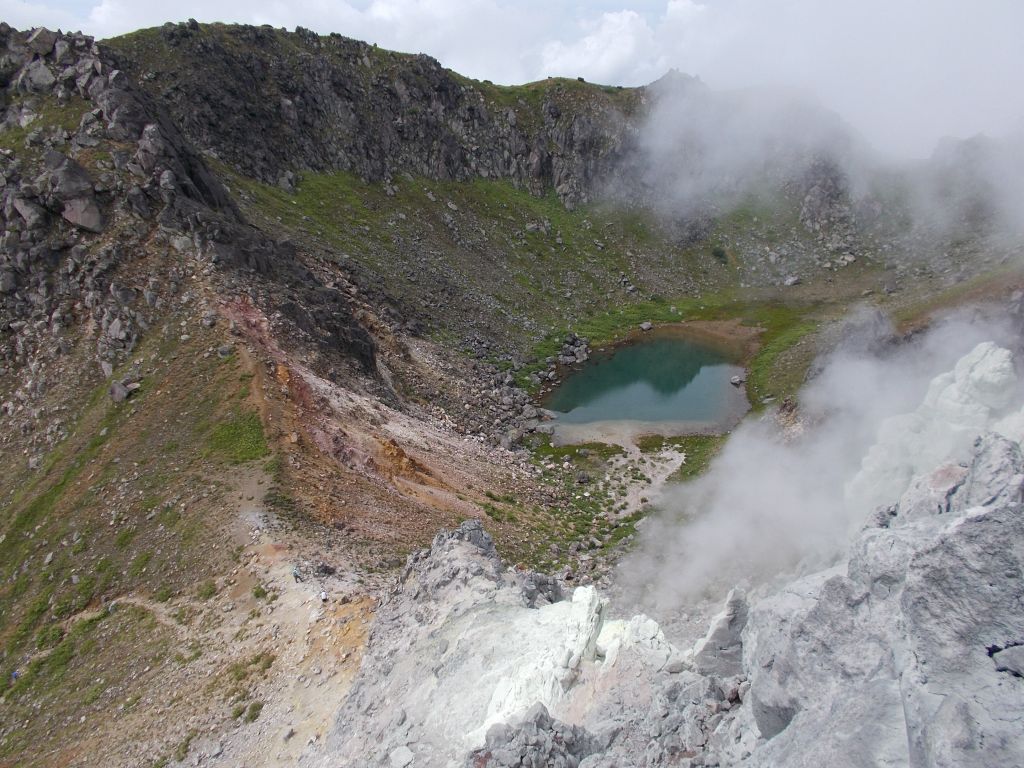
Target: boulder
(1010, 660)
(83, 212)
(37, 77)
(535, 739)
(720, 652)
(118, 392)
(400, 757)
(41, 41)
(68, 179)
(33, 213)
(996, 475)
(60, 50)
(8, 281)
(458, 643)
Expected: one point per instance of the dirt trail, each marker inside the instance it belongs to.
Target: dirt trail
(294, 643)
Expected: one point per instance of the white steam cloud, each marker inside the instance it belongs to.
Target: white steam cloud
(978, 182)
(772, 500)
(701, 151)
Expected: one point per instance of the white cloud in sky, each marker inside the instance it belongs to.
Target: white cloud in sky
(611, 46)
(903, 72)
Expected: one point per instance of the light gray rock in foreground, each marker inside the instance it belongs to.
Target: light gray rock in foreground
(907, 653)
(888, 663)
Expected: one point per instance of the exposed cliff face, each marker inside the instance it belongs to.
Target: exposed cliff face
(889, 660)
(272, 103)
(98, 179)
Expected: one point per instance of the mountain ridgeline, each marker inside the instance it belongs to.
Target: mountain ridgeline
(168, 115)
(273, 103)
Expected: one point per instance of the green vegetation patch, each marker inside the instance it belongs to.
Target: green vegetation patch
(239, 438)
(769, 375)
(518, 262)
(50, 115)
(699, 450)
(123, 505)
(206, 590)
(782, 325)
(50, 668)
(593, 453)
(626, 527)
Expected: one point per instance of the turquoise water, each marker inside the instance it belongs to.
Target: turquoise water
(655, 379)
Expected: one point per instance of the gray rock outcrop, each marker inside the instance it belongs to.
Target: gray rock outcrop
(907, 653)
(888, 663)
(536, 739)
(58, 194)
(721, 651)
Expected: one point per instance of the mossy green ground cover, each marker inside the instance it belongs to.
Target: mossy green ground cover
(123, 505)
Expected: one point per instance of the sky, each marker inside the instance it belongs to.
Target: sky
(903, 73)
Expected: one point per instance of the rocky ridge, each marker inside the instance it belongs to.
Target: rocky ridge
(111, 221)
(324, 104)
(328, 103)
(333, 103)
(69, 228)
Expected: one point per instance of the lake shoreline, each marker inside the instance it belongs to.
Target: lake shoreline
(672, 380)
(628, 432)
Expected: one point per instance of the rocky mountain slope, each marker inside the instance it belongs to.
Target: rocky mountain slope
(140, 179)
(273, 103)
(273, 310)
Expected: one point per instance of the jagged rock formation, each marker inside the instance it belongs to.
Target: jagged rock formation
(463, 645)
(901, 642)
(332, 103)
(81, 203)
(957, 406)
(485, 633)
(536, 739)
(327, 103)
(905, 654)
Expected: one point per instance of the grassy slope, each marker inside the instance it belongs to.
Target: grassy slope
(127, 504)
(47, 113)
(485, 258)
(496, 274)
(525, 261)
